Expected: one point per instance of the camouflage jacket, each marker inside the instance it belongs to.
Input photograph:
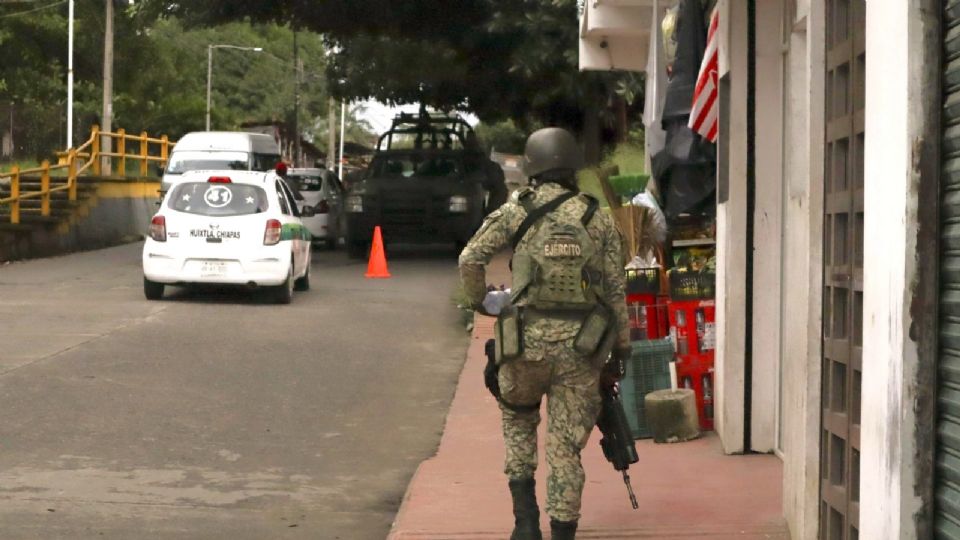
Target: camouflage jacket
(497, 233)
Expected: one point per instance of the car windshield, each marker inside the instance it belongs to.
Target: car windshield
(415, 165)
(305, 182)
(218, 199)
(181, 162)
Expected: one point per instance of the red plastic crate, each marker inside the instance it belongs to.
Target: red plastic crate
(695, 371)
(693, 325)
(648, 318)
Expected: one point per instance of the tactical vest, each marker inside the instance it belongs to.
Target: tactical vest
(550, 267)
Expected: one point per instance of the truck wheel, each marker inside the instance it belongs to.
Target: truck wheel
(152, 290)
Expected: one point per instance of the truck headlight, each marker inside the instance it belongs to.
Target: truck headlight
(354, 204)
(459, 204)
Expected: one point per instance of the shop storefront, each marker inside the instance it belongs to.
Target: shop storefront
(835, 301)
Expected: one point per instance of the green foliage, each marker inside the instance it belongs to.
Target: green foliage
(160, 72)
(500, 59)
(502, 136)
(357, 129)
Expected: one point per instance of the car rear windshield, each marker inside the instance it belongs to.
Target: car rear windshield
(181, 162)
(218, 199)
(305, 182)
(415, 165)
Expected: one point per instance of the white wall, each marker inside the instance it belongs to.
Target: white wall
(768, 228)
(898, 88)
(802, 271)
(731, 230)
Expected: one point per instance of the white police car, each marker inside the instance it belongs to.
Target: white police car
(228, 227)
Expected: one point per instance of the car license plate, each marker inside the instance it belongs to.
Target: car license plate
(213, 269)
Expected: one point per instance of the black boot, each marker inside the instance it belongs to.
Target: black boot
(526, 513)
(563, 530)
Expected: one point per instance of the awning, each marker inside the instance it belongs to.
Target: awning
(615, 34)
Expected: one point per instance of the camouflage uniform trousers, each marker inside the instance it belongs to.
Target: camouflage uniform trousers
(571, 385)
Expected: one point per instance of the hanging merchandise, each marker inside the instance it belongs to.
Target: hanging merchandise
(669, 29)
(686, 168)
(655, 86)
(655, 226)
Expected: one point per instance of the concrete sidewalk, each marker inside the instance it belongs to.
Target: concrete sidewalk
(687, 490)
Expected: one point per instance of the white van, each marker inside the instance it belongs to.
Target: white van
(220, 150)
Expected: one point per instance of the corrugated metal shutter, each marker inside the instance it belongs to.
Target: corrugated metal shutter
(947, 520)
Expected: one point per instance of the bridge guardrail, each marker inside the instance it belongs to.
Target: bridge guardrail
(87, 158)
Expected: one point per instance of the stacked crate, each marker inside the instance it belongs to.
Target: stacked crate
(647, 370)
(693, 330)
(649, 366)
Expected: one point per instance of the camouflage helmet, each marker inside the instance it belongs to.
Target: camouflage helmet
(550, 149)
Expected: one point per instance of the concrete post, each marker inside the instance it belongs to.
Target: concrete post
(899, 330)
(107, 113)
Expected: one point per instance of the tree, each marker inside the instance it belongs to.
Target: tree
(501, 137)
(160, 74)
(500, 59)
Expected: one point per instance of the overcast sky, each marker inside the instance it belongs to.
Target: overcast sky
(380, 115)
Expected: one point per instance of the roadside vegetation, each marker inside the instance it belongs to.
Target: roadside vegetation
(513, 64)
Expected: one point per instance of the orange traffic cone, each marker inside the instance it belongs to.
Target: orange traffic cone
(377, 267)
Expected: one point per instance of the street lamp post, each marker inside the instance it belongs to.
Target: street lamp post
(70, 76)
(210, 49)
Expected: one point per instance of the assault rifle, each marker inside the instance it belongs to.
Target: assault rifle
(617, 442)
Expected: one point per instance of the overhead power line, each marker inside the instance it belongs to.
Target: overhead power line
(34, 10)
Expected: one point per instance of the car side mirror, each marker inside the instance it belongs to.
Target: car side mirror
(308, 211)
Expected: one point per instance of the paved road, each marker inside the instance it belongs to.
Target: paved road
(211, 415)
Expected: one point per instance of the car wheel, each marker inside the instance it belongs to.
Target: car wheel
(283, 294)
(152, 290)
(303, 284)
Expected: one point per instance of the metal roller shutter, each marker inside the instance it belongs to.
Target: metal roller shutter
(947, 520)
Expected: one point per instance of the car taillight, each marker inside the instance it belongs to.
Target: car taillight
(158, 228)
(323, 207)
(219, 180)
(272, 235)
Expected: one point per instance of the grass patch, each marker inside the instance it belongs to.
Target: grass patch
(5, 166)
(630, 157)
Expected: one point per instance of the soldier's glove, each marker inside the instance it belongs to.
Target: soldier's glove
(615, 368)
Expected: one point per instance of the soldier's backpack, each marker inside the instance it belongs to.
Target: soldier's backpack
(550, 270)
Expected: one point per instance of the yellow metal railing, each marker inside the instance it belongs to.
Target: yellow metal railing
(85, 159)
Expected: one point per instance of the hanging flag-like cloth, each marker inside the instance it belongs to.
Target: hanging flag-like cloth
(704, 113)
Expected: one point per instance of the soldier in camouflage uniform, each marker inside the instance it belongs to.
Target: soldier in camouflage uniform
(549, 365)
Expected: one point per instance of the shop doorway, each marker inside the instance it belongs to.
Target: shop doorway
(843, 270)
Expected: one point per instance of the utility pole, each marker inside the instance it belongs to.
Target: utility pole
(106, 118)
(343, 119)
(331, 134)
(70, 76)
(209, 77)
(210, 49)
(296, 102)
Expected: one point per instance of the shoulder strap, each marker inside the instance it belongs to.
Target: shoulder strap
(536, 214)
(592, 206)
